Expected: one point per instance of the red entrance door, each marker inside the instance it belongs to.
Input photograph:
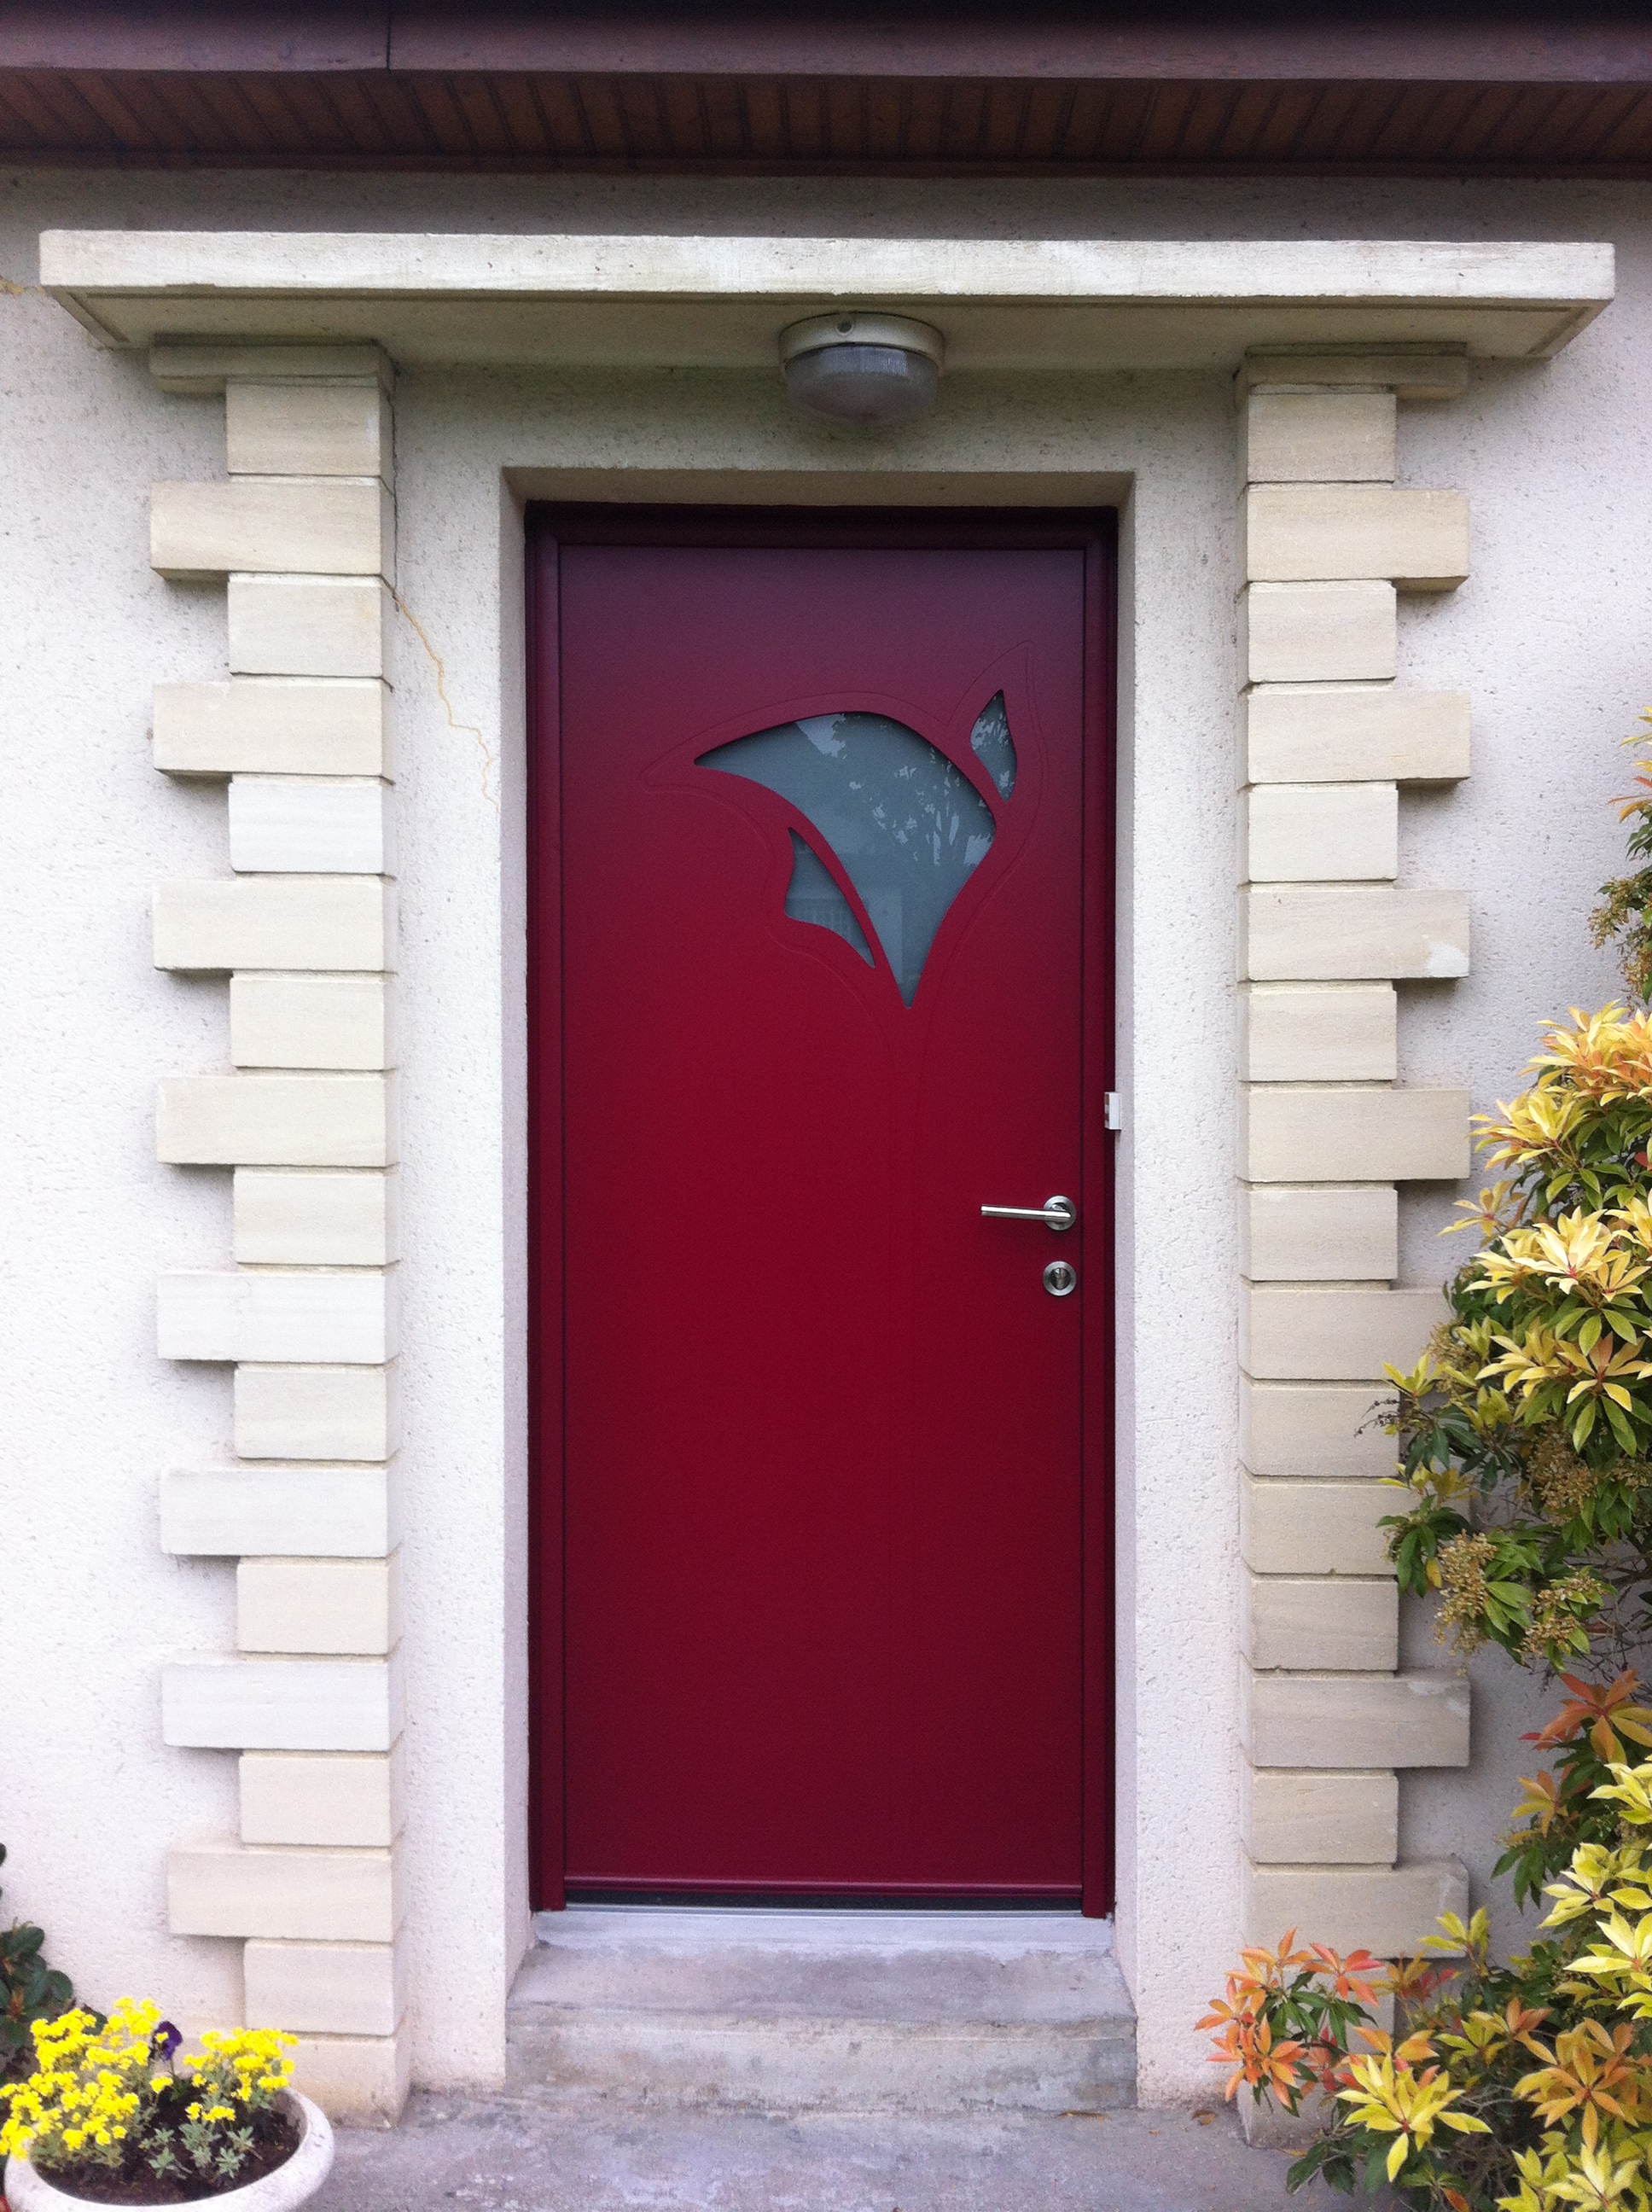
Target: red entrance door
(821, 999)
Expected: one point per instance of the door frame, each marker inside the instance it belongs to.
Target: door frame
(1095, 534)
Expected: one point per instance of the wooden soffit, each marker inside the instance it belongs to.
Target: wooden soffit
(1388, 86)
(720, 302)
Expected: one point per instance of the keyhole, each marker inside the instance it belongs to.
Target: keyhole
(1060, 1280)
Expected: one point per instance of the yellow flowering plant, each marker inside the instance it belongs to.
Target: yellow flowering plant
(1524, 1431)
(1523, 2088)
(1525, 1450)
(115, 2108)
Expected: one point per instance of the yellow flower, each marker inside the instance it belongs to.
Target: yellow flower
(1393, 2101)
(1579, 1252)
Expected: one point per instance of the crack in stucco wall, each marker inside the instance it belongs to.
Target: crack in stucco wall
(466, 729)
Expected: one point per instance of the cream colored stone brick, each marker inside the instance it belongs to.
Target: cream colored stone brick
(322, 922)
(311, 1021)
(1293, 1816)
(326, 1988)
(1293, 1135)
(307, 429)
(318, 1412)
(1318, 1232)
(1350, 733)
(200, 367)
(359, 2079)
(1354, 1720)
(1325, 1622)
(273, 726)
(1319, 633)
(282, 1704)
(1306, 1526)
(347, 1798)
(1410, 372)
(1317, 437)
(277, 1120)
(1331, 935)
(1389, 1911)
(1304, 1431)
(308, 626)
(1331, 533)
(347, 1319)
(1318, 1032)
(229, 1888)
(1321, 1335)
(1321, 832)
(328, 1218)
(264, 525)
(345, 1607)
(287, 826)
(318, 1512)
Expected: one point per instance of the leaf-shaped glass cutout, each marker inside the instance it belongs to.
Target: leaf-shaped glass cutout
(813, 896)
(993, 746)
(909, 827)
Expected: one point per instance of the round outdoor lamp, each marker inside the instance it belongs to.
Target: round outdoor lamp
(862, 368)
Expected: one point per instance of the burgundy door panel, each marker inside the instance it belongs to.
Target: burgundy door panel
(824, 1614)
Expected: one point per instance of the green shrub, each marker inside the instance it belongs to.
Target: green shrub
(29, 1991)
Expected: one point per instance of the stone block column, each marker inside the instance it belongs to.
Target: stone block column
(303, 1118)
(1327, 935)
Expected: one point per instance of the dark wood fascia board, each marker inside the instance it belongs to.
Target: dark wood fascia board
(1598, 51)
(1580, 170)
(105, 36)
(1535, 44)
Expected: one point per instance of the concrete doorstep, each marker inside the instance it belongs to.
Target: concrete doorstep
(789, 2011)
(758, 2061)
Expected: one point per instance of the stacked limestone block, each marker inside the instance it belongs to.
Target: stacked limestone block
(310, 1701)
(1326, 935)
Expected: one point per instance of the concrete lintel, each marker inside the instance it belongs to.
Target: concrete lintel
(720, 302)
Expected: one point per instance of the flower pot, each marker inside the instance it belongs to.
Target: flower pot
(291, 2184)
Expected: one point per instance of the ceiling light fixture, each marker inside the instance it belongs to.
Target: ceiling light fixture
(861, 368)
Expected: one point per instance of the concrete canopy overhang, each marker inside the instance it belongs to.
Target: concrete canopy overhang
(720, 302)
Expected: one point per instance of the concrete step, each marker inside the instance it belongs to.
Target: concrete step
(782, 2011)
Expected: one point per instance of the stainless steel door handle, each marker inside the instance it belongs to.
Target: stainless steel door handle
(1054, 1214)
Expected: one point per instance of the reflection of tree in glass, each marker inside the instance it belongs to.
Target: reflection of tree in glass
(908, 826)
(993, 746)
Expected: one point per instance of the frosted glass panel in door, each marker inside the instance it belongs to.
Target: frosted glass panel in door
(908, 828)
(812, 897)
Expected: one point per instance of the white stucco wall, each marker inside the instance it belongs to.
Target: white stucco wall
(1552, 635)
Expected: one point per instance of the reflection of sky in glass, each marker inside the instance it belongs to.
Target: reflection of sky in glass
(908, 827)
